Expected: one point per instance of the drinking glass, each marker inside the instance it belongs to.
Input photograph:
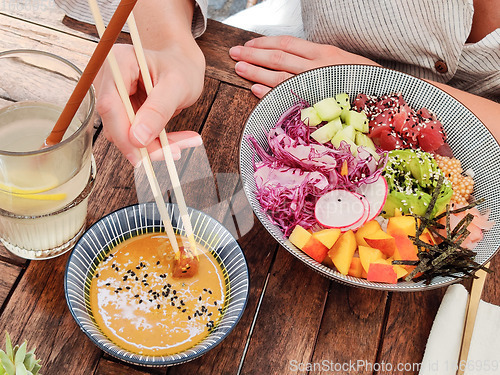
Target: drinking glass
(43, 190)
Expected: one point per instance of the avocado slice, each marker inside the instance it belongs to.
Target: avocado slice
(411, 177)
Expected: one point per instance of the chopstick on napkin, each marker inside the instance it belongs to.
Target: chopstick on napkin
(472, 307)
(441, 356)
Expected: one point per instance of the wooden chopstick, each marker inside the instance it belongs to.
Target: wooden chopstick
(472, 306)
(88, 75)
(146, 161)
(167, 153)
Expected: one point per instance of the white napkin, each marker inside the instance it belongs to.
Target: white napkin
(443, 345)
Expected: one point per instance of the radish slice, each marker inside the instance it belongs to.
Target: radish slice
(363, 219)
(376, 195)
(339, 209)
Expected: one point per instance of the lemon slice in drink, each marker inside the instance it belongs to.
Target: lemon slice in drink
(36, 194)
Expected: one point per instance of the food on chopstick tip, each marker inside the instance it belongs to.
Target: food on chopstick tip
(139, 305)
(185, 264)
(368, 189)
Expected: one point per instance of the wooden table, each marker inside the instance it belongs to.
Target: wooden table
(295, 319)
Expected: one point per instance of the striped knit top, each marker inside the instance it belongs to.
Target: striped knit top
(425, 38)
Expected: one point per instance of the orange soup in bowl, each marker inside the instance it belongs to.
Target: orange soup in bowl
(137, 303)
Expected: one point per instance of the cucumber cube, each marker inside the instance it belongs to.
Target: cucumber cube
(310, 116)
(358, 120)
(363, 140)
(327, 131)
(328, 109)
(346, 134)
(343, 100)
(343, 114)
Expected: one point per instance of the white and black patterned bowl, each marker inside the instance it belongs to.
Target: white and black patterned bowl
(469, 139)
(140, 219)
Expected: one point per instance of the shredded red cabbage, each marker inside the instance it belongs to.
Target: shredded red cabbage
(296, 170)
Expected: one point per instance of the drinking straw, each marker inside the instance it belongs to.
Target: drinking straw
(97, 59)
(167, 152)
(146, 161)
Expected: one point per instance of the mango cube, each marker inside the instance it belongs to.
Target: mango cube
(299, 236)
(342, 252)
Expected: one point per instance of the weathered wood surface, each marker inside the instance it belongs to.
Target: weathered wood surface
(215, 43)
(294, 317)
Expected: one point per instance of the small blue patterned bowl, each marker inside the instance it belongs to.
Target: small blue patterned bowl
(140, 219)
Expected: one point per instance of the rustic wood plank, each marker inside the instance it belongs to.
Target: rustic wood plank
(7, 256)
(230, 104)
(211, 174)
(110, 367)
(9, 274)
(16, 35)
(214, 43)
(350, 330)
(289, 318)
(491, 291)
(44, 13)
(37, 312)
(408, 326)
(259, 249)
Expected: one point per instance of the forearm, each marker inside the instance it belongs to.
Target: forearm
(164, 22)
(486, 110)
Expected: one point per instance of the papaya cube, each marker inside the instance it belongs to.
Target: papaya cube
(299, 236)
(400, 271)
(398, 224)
(355, 269)
(315, 249)
(342, 251)
(328, 236)
(405, 249)
(368, 255)
(365, 230)
(427, 236)
(382, 241)
(382, 273)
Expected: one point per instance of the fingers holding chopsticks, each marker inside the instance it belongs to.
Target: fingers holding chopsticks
(177, 87)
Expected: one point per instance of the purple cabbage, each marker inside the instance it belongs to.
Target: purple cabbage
(296, 170)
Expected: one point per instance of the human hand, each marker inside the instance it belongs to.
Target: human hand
(177, 74)
(268, 61)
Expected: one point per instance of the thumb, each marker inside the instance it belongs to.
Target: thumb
(151, 118)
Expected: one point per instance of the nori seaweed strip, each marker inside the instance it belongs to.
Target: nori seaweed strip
(424, 222)
(461, 209)
(405, 262)
(448, 258)
(448, 230)
(462, 224)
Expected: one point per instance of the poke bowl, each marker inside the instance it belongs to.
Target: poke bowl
(97, 248)
(463, 134)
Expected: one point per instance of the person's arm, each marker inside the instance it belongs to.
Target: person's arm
(268, 61)
(486, 110)
(177, 68)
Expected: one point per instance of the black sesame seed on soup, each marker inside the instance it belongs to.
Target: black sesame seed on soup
(139, 306)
